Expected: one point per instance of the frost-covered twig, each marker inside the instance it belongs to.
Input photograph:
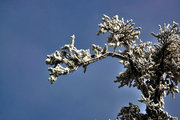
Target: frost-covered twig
(73, 58)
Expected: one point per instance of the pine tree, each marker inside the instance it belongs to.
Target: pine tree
(152, 69)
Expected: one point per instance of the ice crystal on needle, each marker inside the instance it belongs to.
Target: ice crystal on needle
(153, 69)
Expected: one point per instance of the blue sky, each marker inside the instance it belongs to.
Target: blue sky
(31, 29)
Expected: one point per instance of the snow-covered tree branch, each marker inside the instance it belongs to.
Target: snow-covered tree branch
(153, 69)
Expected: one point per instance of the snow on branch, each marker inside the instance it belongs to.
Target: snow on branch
(153, 69)
(121, 33)
(73, 58)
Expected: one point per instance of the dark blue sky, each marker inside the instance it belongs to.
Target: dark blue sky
(31, 29)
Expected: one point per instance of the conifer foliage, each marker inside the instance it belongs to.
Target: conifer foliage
(153, 69)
